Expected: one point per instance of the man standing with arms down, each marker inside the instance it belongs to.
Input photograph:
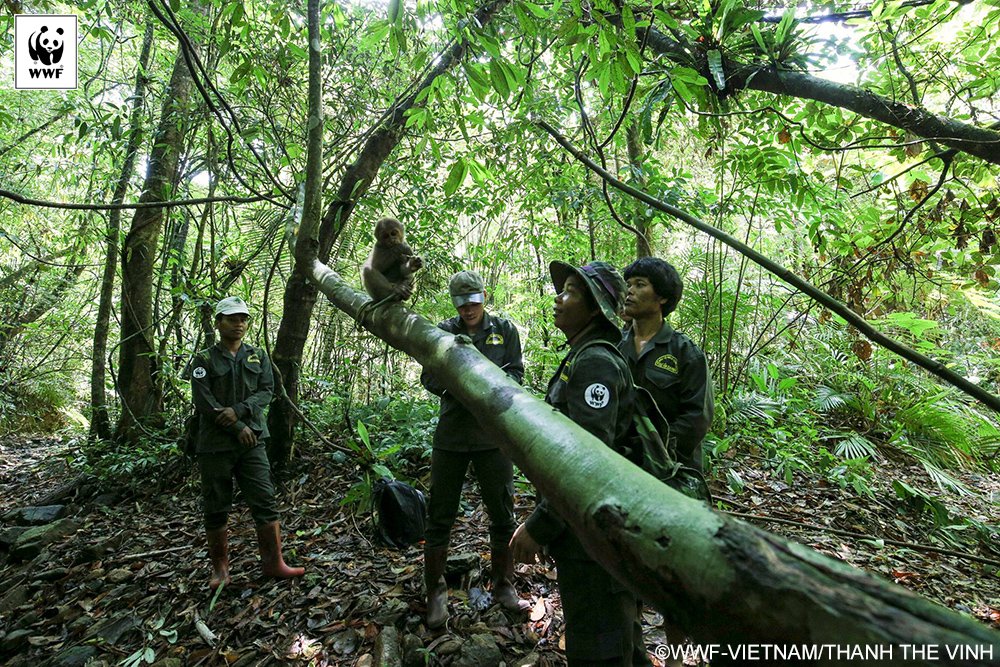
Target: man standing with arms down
(666, 362)
(231, 384)
(670, 367)
(459, 441)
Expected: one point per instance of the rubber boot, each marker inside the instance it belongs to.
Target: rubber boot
(218, 553)
(269, 541)
(435, 560)
(502, 573)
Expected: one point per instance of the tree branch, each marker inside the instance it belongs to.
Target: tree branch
(983, 143)
(13, 196)
(934, 367)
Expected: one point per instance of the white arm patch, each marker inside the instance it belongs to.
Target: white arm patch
(597, 396)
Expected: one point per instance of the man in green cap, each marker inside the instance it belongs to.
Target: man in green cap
(231, 384)
(592, 386)
(459, 441)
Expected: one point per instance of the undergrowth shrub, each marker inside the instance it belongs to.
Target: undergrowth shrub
(156, 456)
(392, 437)
(39, 405)
(824, 410)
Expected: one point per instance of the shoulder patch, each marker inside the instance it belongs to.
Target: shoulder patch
(198, 373)
(597, 395)
(253, 358)
(494, 339)
(666, 362)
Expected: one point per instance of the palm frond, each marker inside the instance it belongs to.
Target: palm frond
(937, 431)
(829, 399)
(751, 405)
(947, 482)
(855, 446)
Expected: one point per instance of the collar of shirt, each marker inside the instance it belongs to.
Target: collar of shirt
(664, 335)
(240, 353)
(484, 327)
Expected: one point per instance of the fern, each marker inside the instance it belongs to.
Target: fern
(750, 405)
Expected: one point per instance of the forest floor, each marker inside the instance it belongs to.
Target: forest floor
(125, 582)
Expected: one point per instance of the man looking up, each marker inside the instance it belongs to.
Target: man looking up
(591, 387)
(460, 441)
(231, 384)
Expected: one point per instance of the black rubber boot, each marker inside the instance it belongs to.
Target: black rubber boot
(435, 560)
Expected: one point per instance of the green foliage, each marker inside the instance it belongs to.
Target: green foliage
(922, 501)
(157, 456)
(392, 437)
(826, 411)
(400, 429)
(39, 405)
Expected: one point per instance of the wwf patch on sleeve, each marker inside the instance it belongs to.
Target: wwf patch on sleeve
(199, 373)
(597, 396)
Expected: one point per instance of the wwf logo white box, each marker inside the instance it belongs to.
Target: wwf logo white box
(45, 51)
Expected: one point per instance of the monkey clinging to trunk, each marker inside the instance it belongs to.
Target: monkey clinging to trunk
(388, 273)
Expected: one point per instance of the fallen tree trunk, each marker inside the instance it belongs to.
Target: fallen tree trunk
(726, 583)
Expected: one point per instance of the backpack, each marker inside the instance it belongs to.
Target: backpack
(649, 444)
(399, 511)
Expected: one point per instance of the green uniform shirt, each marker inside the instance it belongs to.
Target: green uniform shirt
(220, 380)
(594, 390)
(458, 430)
(674, 370)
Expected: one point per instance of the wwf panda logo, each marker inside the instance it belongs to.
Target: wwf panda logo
(45, 46)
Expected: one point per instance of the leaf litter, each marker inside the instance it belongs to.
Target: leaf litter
(129, 587)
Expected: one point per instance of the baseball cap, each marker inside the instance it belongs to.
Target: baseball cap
(603, 281)
(466, 287)
(231, 305)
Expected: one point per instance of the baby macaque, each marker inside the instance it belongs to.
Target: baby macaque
(388, 273)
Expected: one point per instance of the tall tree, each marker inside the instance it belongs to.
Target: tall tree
(100, 422)
(300, 294)
(140, 391)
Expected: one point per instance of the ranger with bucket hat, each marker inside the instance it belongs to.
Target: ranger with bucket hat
(592, 386)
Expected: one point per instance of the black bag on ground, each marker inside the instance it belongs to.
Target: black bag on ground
(400, 511)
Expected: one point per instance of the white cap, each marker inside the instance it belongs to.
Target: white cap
(231, 305)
